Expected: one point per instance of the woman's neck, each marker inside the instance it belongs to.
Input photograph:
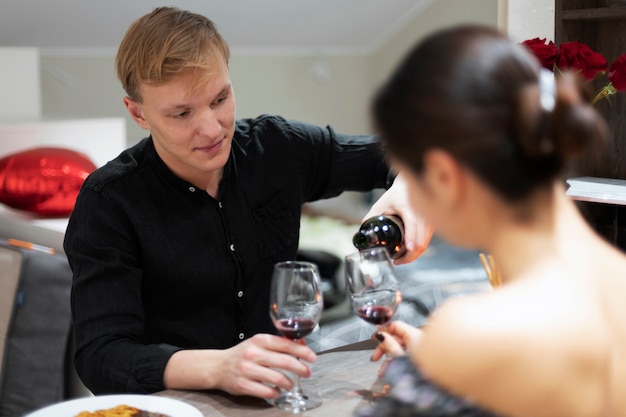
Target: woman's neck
(547, 235)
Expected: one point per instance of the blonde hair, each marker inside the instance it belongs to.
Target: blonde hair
(165, 43)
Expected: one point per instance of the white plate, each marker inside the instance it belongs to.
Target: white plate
(167, 406)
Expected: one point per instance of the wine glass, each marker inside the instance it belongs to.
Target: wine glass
(295, 308)
(373, 291)
(372, 285)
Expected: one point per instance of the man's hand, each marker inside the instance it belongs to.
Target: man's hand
(253, 367)
(417, 233)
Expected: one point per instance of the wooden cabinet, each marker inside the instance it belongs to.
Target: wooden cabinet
(601, 24)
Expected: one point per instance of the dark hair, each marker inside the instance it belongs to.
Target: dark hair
(474, 93)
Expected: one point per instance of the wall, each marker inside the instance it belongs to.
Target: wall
(323, 90)
(86, 86)
(19, 84)
(440, 14)
(320, 90)
(529, 19)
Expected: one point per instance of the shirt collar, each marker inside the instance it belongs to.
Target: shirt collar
(162, 169)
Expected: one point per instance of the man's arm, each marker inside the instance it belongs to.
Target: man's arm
(107, 305)
(249, 368)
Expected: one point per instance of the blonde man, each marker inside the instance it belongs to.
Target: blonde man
(173, 242)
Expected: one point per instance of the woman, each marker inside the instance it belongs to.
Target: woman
(486, 139)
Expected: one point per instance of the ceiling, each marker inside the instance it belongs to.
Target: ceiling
(249, 26)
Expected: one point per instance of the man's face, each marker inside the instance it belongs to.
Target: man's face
(192, 126)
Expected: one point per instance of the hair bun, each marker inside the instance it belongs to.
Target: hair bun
(574, 123)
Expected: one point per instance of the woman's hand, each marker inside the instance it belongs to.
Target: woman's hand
(417, 233)
(254, 367)
(395, 338)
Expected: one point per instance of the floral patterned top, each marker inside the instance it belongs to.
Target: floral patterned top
(411, 394)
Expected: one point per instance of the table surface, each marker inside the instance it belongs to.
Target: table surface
(344, 378)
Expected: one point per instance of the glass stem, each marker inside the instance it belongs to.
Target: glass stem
(297, 388)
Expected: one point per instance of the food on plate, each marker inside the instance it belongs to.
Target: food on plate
(120, 411)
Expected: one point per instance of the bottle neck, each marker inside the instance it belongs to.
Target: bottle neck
(370, 237)
(365, 238)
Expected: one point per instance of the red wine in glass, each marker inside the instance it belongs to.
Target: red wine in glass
(377, 315)
(372, 286)
(295, 308)
(372, 289)
(295, 328)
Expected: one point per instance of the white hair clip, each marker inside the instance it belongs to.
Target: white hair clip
(547, 88)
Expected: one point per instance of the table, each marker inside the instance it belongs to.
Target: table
(344, 377)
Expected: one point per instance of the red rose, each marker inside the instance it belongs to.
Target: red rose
(617, 73)
(546, 53)
(578, 56)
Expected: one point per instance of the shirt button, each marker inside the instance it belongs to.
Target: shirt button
(192, 189)
(232, 247)
(241, 336)
(240, 294)
(219, 204)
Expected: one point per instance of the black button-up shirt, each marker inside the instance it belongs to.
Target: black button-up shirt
(160, 265)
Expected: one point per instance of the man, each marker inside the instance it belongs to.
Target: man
(172, 244)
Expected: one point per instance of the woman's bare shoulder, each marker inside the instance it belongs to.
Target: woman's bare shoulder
(475, 332)
(485, 346)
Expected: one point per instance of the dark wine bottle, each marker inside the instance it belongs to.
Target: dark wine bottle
(385, 231)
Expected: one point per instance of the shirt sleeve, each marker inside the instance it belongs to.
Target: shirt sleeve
(331, 163)
(110, 356)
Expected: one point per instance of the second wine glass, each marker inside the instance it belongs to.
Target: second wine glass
(372, 286)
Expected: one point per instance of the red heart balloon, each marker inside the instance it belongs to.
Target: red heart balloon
(44, 181)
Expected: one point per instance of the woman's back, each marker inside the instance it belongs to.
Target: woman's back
(611, 283)
(551, 342)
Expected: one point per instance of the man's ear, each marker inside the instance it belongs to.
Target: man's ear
(135, 112)
(444, 177)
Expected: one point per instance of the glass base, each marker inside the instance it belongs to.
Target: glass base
(297, 402)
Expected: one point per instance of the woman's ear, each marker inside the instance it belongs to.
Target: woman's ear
(445, 178)
(134, 109)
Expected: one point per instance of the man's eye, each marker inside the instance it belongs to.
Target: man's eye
(181, 115)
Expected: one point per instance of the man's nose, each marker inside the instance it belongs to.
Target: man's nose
(209, 124)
